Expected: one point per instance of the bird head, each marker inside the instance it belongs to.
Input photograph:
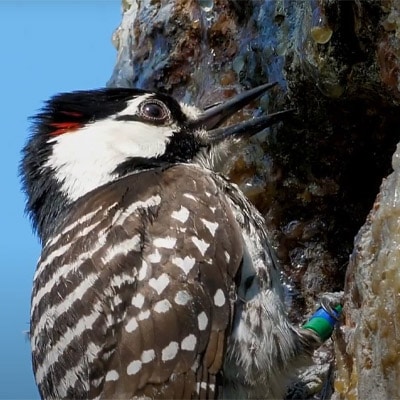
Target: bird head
(86, 139)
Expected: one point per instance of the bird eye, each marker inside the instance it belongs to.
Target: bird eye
(154, 110)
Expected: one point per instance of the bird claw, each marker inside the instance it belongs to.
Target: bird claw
(330, 300)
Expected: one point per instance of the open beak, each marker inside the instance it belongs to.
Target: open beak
(214, 116)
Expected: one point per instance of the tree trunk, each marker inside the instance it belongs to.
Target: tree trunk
(314, 177)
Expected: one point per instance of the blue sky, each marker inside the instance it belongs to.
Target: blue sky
(47, 47)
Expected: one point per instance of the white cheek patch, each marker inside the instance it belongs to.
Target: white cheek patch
(136, 139)
(87, 158)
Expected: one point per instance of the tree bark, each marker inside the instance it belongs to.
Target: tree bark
(314, 177)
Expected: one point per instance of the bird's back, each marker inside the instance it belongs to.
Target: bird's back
(134, 294)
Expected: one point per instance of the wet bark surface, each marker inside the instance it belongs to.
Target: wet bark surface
(315, 176)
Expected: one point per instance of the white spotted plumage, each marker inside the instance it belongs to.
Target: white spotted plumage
(189, 342)
(201, 244)
(166, 242)
(143, 315)
(131, 325)
(182, 297)
(138, 300)
(211, 226)
(155, 257)
(147, 356)
(122, 248)
(182, 215)
(160, 283)
(112, 375)
(219, 298)
(162, 306)
(185, 264)
(134, 367)
(169, 352)
(202, 321)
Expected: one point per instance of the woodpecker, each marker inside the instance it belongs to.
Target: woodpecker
(156, 278)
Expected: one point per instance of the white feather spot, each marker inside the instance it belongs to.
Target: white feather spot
(131, 325)
(200, 244)
(170, 352)
(162, 306)
(202, 321)
(185, 264)
(190, 196)
(211, 226)
(121, 216)
(189, 343)
(160, 283)
(143, 315)
(123, 279)
(227, 256)
(138, 300)
(116, 300)
(182, 215)
(107, 354)
(212, 209)
(143, 271)
(122, 248)
(182, 297)
(148, 356)
(219, 298)
(134, 367)
(97, 382)
(155, 257)
(167, 242)
(112, 375)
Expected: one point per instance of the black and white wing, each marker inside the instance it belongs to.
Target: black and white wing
(133, 297)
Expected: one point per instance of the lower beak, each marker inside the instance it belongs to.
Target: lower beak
(214, 116)
(246, 128)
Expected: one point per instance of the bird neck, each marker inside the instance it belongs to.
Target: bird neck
(47, 205)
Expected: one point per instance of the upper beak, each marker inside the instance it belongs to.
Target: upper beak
(213, 117)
